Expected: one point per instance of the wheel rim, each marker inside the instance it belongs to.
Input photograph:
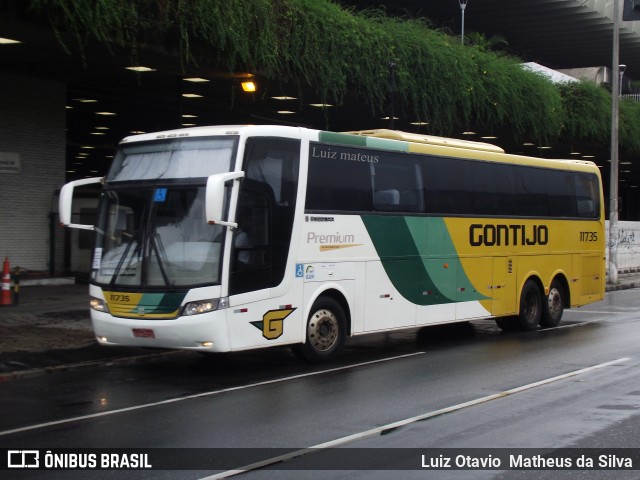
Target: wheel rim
(323, 330)
(555, 302)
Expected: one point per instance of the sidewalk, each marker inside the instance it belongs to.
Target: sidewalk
(50, 329)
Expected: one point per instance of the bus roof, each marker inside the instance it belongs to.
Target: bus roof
(429, 144)
(421, 143)
(211, 130)
(428, 139)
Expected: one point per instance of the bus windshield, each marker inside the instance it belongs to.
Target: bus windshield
(156, 234)
(156, 237)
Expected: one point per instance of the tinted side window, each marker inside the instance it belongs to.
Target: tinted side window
(561, 193)
(587, 196)
(492, 188)
(397, 185)
(447, 182)
(362, 180)
(274, 162)
(532, 192)
(337, 184)
(465, 187)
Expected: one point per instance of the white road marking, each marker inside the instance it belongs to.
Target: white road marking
(599, 312)
(379, 430)
(202, 394)
(571, 325)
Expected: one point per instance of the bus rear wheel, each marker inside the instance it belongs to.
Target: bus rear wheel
(530, 307)
(553, 306)
(326, 332)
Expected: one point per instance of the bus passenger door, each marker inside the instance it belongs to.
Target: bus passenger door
(265, 214)
(503, 287)
(265, 308)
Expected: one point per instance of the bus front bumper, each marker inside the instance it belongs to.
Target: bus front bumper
(205, 332)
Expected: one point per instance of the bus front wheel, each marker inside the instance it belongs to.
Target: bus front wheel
(326, 331)
(530, 306)
(553, 306)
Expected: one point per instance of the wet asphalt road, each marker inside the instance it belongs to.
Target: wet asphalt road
(458, 387)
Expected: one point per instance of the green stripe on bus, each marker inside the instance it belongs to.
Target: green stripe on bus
(161, 302)
(343, 138)
(420, 259)
(386, 144)
(432, 239)
(363, 141)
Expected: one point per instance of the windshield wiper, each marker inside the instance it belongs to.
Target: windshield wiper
(156, 245)
(116, 272)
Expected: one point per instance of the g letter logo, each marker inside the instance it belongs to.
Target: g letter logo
(272, 324)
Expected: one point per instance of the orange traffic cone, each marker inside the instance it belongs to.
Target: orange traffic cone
(5, 298)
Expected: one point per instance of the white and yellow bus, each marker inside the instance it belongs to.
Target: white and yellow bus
(230, 238)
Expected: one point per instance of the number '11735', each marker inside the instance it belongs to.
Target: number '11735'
(588, 236)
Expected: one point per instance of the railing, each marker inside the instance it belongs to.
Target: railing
(631, 96)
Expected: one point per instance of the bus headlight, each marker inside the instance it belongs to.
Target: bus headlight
(98, 305)
(204, 306)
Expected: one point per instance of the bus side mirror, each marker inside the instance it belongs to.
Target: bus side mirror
(215, 197)
(66, 200)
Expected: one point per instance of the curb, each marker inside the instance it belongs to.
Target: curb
(47, 281)
(622, 286)
(34, 372)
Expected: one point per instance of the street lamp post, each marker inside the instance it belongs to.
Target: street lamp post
(613, 185)
(463, 5)
(392, 94)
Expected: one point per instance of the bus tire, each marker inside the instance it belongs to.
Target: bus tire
(326, 332)
(553, 306)
(530, 311)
